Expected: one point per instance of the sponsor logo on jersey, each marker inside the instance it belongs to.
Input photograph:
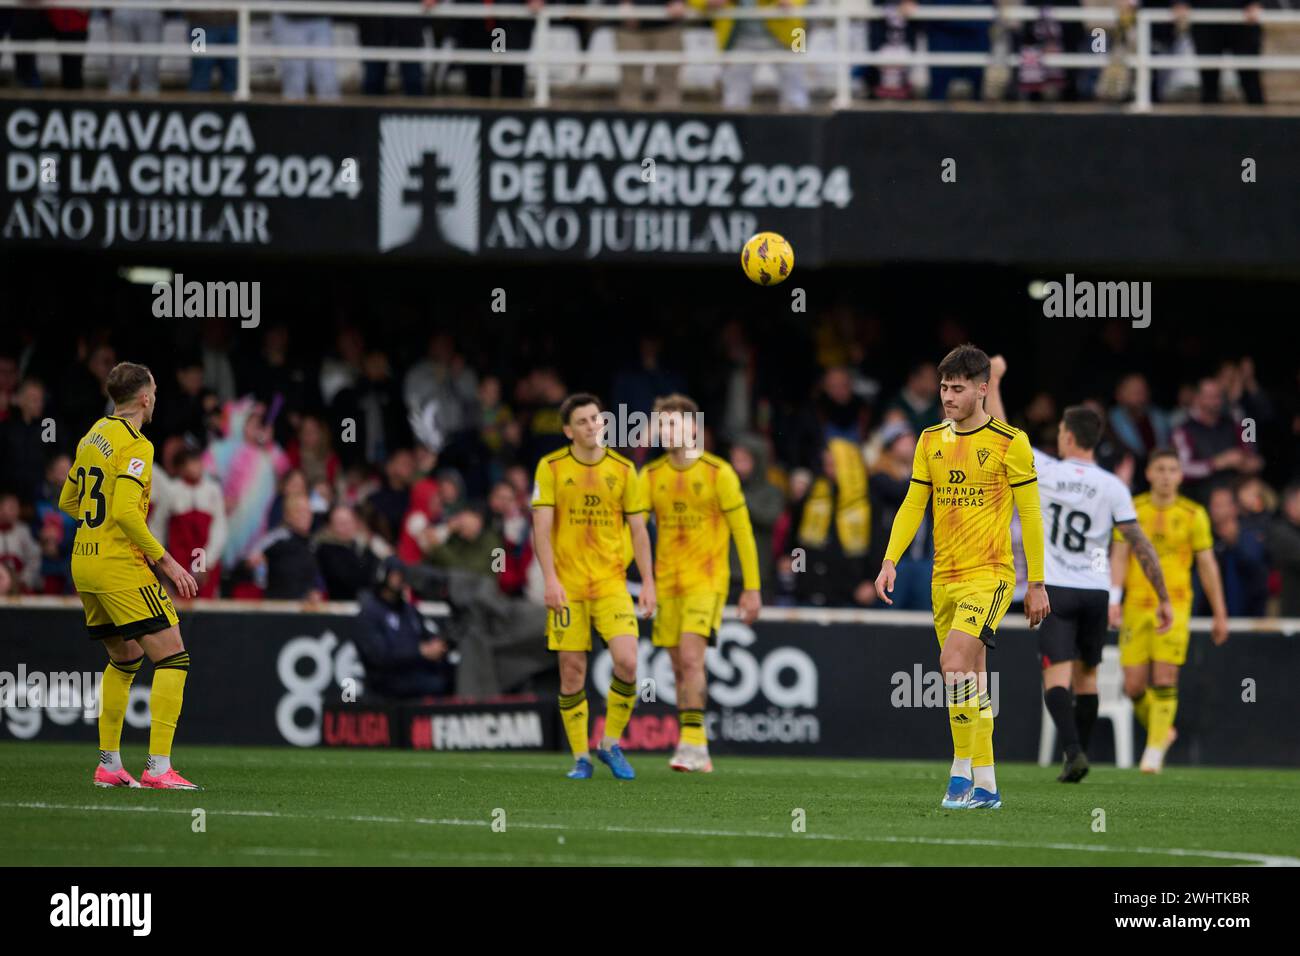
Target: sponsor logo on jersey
(135, 467)
(938, 454)
(591, 501)
(968, 606)
(956, 476)
(970, 620)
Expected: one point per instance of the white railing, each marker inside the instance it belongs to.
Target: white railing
(541, 56)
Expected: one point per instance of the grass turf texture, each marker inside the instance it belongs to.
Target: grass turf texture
(304, 807)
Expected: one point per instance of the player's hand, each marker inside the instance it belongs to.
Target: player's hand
(1164, 617)
(645, 602)
(1219, 630)
(749, 604)
(997, 367)
(885, 581)
(434, 649)
(1037, 606)
(1115, 616)
(554, 597)
(182, 579)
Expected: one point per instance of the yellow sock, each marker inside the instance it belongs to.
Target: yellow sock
(573, 711)
(618, 707)
(963, 716)
(165, 701)
(1164, 705)
(114, 695)
(1142, 707)
(982, 755)
(692, 727)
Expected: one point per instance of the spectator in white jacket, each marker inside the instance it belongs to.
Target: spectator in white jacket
(19, 551)
(188, 516)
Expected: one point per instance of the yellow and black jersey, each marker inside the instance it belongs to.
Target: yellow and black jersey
(107, 492)
(589, 536)
(1177, 531)
(974, 478)
(697, 509)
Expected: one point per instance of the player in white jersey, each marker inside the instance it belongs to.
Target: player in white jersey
(1082, 505)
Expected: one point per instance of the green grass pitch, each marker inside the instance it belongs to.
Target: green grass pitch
(321, 807)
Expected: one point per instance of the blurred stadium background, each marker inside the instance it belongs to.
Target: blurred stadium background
(439, 261)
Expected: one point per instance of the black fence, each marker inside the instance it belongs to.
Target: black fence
(846, 684)
(1081, 190)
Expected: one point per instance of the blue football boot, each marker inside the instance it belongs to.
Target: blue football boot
(613, 758)
(958, 795)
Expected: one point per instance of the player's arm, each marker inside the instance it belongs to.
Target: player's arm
(543, 505)
(1119, 555)
(543, 520)
(1145, 553)
(636, 509)
(736, 513)
(1024, 490)
(644, 562)
(993, 400)
(137, 468)
(906, 521)
(70, 498)
(1207, 569)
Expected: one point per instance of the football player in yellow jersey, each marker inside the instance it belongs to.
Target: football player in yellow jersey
(1179, 529)
(976, 467)
(585, 497)
(107, 492)
(698, 508)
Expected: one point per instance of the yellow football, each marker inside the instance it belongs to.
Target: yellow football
(767, 258)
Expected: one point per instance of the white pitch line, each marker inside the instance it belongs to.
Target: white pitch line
(1259, 859)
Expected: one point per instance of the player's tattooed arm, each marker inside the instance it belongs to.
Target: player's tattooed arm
(1145, 553)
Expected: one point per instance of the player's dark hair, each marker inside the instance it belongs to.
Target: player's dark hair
(577, 400)
(1084, 424)
(1163, 451)
(965, 361)
(126, 380)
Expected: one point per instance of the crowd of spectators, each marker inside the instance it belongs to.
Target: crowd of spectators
(898, 31)
(281, 474)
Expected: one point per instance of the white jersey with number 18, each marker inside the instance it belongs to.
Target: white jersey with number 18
(1082, 502)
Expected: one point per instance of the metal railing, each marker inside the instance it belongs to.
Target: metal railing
(542, 56)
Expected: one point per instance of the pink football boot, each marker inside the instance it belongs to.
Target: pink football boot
(170, 780)
(114, 778)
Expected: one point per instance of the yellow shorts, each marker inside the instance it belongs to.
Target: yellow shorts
(972, 607)
(1140, 644)
(129, 613)
(699, 613)
(569, 629)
